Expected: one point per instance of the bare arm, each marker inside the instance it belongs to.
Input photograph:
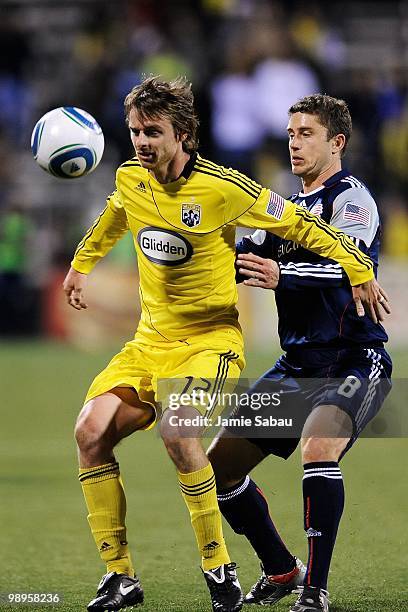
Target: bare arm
(103, 234)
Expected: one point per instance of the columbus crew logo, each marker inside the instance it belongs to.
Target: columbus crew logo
(190, 214)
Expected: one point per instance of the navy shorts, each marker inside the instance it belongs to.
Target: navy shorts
(357, 380)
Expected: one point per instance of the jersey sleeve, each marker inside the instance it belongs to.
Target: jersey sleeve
(291, 222)
(355, 213)
(103, 234)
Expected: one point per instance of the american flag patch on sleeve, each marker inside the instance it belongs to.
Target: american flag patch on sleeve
(276, 206)
(352, 212)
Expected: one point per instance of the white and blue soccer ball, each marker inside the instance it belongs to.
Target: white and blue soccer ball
(67, 142)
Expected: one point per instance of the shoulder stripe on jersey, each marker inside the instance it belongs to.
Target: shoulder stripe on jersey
(237, 176)
(353, 182)
(350, 248)
(229, 171)
(356, 181)
(91, 230)
(130, 164)
(254, 194)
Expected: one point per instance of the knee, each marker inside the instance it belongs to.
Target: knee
(321, 449)
(89, 435)
(168, 430)
(177, 427)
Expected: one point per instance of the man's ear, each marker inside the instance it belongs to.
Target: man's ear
(338, 143)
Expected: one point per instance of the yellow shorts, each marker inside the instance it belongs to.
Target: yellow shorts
(212, 362)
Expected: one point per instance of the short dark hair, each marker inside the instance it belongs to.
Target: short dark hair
(333, 114)
(174, 99)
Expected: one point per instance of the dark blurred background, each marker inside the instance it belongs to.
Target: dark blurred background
(248, 60)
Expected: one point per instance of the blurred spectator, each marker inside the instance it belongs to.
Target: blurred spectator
(236, 129)
(395, 241)
(279, 82)
(16, 99)
(394, 147)
(316, 38)
(280, 79)
(14, 234)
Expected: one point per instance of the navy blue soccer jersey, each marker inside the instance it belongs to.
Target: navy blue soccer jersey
(313, 296)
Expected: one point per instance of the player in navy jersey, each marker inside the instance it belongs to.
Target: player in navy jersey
(334, 363)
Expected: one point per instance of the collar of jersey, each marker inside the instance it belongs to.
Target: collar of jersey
(332, 180)
(184, 176)
(306, 195)
(335, 178)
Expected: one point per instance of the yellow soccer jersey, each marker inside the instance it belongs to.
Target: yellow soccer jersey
(184, 235)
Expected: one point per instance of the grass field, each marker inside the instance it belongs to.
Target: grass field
(45, 542)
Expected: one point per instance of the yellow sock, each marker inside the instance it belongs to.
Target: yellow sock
(106, 503)
(199, 493)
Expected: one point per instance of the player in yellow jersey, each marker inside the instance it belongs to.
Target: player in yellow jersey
(182, 211)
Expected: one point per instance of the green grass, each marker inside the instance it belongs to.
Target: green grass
(45, 542)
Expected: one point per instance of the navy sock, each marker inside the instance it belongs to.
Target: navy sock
(246, 510)
(323, 499)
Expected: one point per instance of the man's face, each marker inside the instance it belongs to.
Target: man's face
(154, 140)
(310, 151)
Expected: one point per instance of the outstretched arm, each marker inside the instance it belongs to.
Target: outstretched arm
(103, 234)
(267, 273)
(292, 222)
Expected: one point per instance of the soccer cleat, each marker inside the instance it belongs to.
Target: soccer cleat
(116, 592)
(270, 589)
(311, 599)
(225, 590)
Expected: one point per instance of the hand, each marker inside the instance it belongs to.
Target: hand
(73, 286)
(261, 272)
(372, 300)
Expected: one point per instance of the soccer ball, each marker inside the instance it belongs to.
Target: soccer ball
(67, 142)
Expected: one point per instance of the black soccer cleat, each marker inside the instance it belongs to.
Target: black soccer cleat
(225, 590)
(116, 592)
(311, 599)
(267, 591)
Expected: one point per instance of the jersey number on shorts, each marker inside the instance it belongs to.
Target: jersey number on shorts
(197, 389)
(349, 386)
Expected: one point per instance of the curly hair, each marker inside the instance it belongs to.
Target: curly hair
(155, 98)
